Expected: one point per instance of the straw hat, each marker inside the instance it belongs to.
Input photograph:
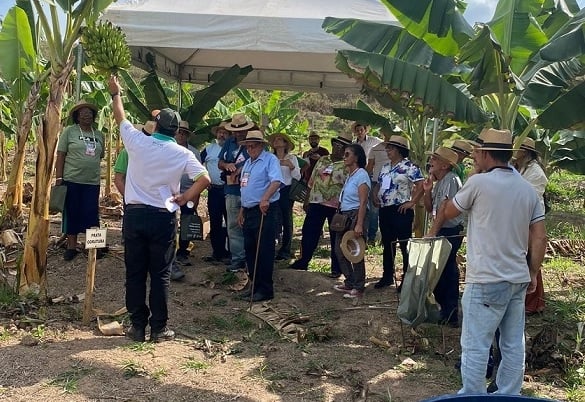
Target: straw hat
(445, 154)
(82, 104)
(495, 140)
(528, 145)
(220, 125)
(463, 147)
(149, 127)
(314, 134)
(291, 144)
(353, 248)
(398, 141)
(184, 125)
(239, 122)
(254, 136)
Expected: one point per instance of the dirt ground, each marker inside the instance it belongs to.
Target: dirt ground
(341, 351)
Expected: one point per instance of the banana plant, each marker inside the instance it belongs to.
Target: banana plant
(151, 94)
(525, 53)
(23, 78)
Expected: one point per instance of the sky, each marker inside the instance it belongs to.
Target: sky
(477, 10)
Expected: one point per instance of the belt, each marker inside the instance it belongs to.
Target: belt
(148, 207)
(257, 206)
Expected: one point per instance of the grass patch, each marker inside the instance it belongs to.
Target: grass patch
(7, 296)
(194, 365)
(564, 266)
(139, 347)
(39, 331)
(159, 374)
(323, 267)
(69, 380)
(131, 369)
(220, 322)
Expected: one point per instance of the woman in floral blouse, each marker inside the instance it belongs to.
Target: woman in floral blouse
(398, 190)
(326, 183)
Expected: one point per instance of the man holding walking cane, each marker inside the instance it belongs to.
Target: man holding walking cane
(260, 182)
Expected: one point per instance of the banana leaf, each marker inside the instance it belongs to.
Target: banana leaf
(550, 82)
(515, 27)
(205, 99)
(566, 111)
(371, 118)
(440, 23)
(390, 40)
(17, 52)
(571, 155)
(568, 42)
(154, 93)
(491, 72)
(380, 74)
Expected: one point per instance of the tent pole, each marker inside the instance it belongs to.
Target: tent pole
(180, 85)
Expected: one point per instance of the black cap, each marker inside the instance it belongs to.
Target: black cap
(168, 119)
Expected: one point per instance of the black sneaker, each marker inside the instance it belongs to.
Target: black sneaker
(176, 273)
(164, 334)
(383, 283)
(297, 265)
(136, 334)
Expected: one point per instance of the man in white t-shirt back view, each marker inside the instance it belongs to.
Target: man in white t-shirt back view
(505, 230)
(152, 195)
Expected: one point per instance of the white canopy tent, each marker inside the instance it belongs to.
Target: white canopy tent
(282, 39)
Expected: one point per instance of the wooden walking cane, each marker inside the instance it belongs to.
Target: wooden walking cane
(256, 259)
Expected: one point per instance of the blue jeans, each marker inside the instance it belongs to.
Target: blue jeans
(487, 307)
(235, 234)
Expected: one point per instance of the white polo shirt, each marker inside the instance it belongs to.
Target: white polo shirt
(155, 162)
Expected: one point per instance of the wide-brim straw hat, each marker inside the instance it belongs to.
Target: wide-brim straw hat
(528, 145)
(464, 147)
(398, 141)
(184, 125)
(495, 140)
(82, 104)
(220, 125)
(352, 247)
(239, 122)
(254, 136)
(343, 138)
(289, 141)
(445, 154)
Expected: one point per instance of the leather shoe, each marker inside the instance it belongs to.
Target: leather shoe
(164, 334)
(136, 334)
(297, 265)
(258, 297)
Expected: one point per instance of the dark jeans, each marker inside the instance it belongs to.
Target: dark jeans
(217, 213)
(311, 234)
(447, 290)
(260, 272)
(149, 249)
(394, 226)
(355, 274)
(184, 244)
(285, 206)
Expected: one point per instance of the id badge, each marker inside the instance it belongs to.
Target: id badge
(90, 147)
(328, 169)
(244, 179)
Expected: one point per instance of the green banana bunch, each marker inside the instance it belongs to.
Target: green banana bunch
(105, 46)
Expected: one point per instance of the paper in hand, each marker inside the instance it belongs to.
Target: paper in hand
(167, 197)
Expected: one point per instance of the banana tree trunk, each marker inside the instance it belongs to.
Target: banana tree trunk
(34, 262)
(3, 156)
(14, 187)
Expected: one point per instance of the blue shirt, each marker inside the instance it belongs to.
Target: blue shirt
(257, 176)
(210, 157)
(230, 153)
(350, 198)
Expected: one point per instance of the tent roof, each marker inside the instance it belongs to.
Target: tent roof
(282, 39)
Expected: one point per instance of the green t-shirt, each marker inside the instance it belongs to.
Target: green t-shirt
(121, 165)
(83, 151)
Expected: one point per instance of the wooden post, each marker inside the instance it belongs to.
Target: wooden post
(89, 285)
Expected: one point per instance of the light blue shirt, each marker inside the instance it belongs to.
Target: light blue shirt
(350, 198)
(211, 161)
(257, 176)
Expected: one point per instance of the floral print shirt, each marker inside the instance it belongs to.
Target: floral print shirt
(326, 182)
(396, 182)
